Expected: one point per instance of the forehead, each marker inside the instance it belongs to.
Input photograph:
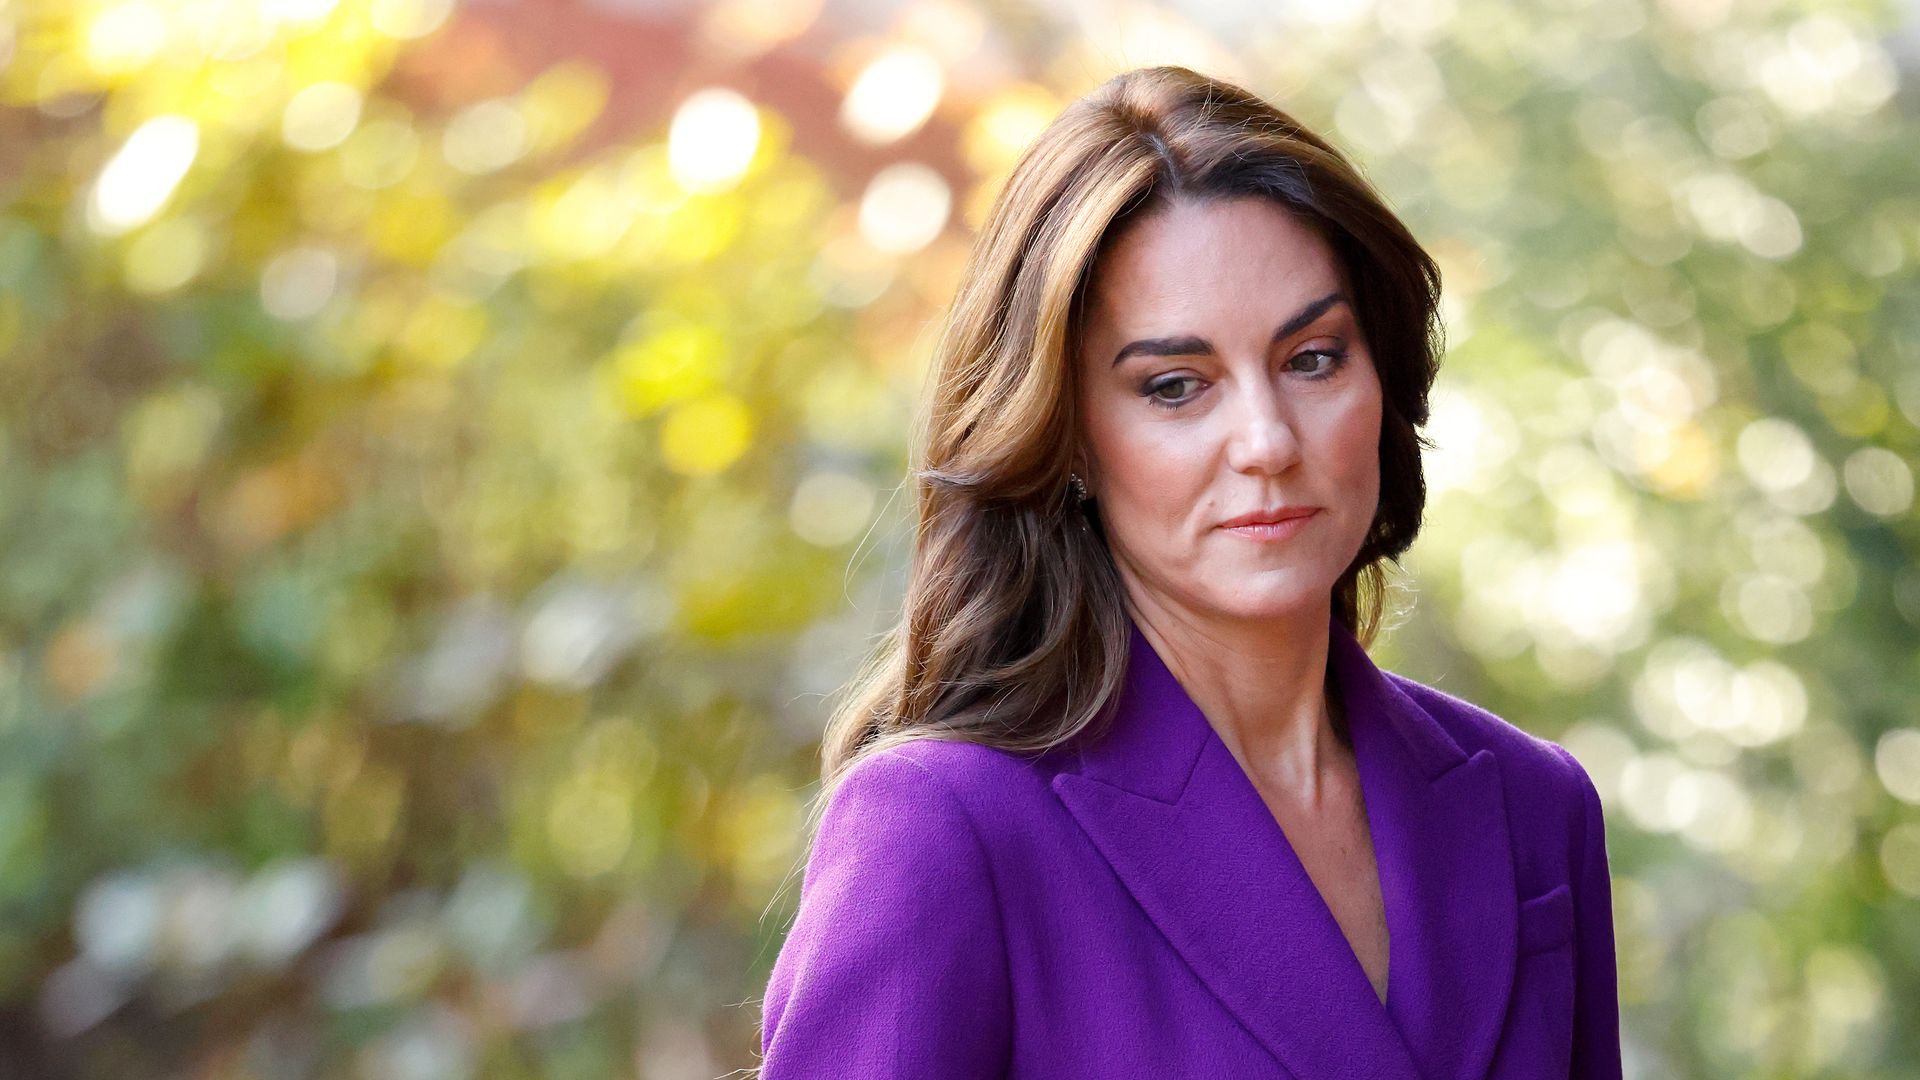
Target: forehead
(1240, 259)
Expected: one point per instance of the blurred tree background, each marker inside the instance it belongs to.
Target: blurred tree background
(449, 454)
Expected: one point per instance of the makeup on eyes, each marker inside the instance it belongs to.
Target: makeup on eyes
(1336, 357)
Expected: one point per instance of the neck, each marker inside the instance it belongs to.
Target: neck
(1262, 686)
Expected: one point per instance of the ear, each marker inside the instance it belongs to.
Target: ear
(1083, 466)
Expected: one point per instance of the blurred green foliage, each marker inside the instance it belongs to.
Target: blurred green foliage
(432, 514)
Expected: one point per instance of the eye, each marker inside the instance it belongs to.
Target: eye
(1335, 358)
(1155, 392)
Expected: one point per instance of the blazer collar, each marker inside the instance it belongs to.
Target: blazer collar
(1186, 831)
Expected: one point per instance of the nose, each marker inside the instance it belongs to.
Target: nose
(1262, 438)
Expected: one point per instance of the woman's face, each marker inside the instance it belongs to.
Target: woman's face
(1222, 373)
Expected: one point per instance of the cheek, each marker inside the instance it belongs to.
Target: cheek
(1151, 479)
(1348, 459)
(1150, 466)
(1357, 446)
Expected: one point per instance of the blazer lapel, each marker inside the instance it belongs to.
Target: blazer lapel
(1187, 833)
(1440, 836)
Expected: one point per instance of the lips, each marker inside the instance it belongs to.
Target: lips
(1269, 517)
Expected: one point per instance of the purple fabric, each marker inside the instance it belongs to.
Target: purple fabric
(1131, 908)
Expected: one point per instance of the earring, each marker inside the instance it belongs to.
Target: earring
(1079, 487)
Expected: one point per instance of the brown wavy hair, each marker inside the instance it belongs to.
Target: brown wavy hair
(1014, 631)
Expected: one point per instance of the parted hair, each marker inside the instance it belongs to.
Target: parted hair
(1014, 630)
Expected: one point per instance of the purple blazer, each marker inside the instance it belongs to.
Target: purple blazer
(1131, 908)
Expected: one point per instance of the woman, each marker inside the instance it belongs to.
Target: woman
(1125, 795)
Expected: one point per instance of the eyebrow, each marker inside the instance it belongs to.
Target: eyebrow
(1199, 346)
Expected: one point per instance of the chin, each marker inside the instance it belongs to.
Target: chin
(1263, 598)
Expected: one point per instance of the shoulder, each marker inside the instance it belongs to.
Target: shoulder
(891, 797)
(986, 781)
(972, 775)
(1538, 772)
(936, 800)
(894, 844)
(1477, 728)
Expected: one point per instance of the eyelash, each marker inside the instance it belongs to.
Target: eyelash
(1338, 358)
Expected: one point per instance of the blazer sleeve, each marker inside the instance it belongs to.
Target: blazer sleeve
(1596, 1004)
(896, 964)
